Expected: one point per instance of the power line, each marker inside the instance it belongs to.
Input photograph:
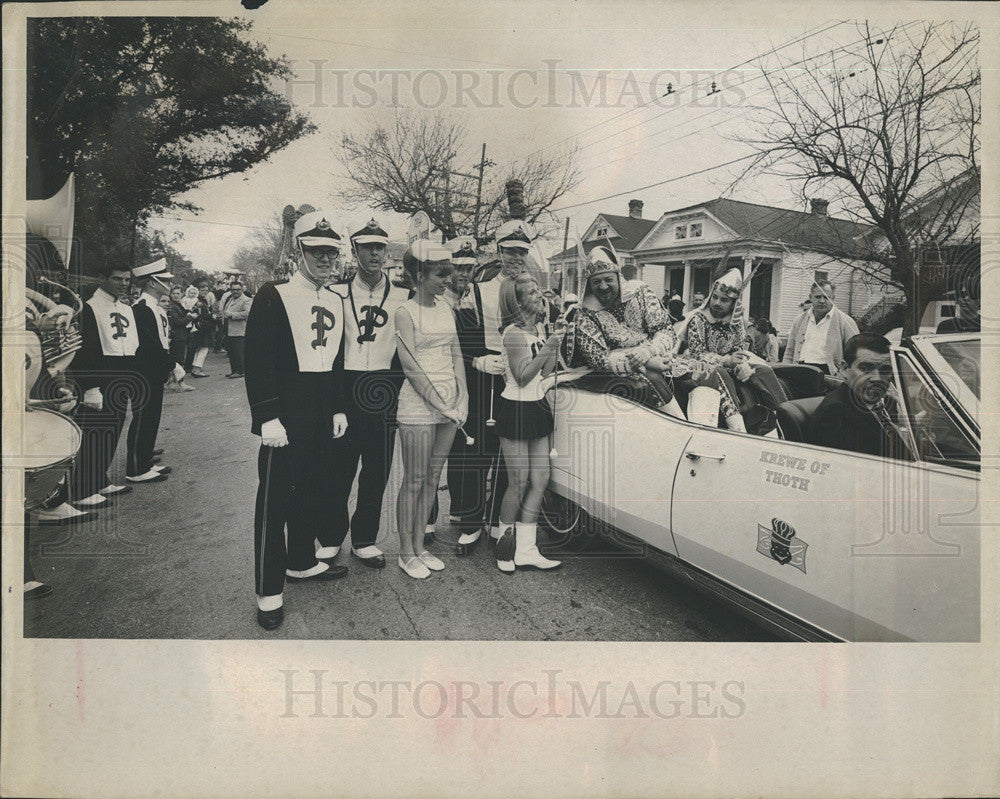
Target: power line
(654, 185)
(803, 37)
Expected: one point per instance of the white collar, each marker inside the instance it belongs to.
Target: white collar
(826, 318)
(303, 282)
(108, 296)
(361, 285)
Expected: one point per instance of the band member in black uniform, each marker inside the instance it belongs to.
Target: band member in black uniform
(468, 467)
(372, 379)
(105, 370)
(154, 365)
(513, 244)
(294, 362)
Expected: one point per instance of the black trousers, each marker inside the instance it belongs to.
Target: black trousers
(371, 439)
(469, 467)
(147, 408)
(101, 431)
(293, 492)
(768, 387)
(234, 348)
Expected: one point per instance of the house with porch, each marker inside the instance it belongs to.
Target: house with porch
(783, 250)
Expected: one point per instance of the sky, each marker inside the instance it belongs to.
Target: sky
(521, 78)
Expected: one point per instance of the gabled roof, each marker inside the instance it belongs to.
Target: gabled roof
(793, 228)
(631, 231)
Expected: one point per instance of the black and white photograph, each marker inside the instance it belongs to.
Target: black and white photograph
(493, 371)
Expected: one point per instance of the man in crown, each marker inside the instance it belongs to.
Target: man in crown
(295, 384)
(372, 380)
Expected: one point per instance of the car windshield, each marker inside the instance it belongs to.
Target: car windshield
(934, 432)
(963, 357)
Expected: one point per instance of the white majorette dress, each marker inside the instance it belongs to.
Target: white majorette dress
(523, 413)
(433, 334)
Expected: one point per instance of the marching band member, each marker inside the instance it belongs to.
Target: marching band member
(371, 384)
(513, 244)
(469, 466)
(524, 421)
(433, 401)
(295, 385)
(154, 364)
(104, 368)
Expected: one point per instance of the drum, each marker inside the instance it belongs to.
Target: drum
(51, 443)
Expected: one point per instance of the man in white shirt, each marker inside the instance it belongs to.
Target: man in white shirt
(371, 386)
(818, 336)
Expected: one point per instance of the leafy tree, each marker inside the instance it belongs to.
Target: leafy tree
(144, 109)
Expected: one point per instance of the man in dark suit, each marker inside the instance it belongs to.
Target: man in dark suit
(856, 416)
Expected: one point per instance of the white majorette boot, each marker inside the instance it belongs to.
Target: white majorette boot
(505, 551)
(673, 408)
(735, 422)
(526, 554)
(703, 406)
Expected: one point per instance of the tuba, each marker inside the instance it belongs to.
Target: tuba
(50, 223)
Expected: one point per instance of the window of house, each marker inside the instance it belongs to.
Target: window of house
(680, 232)
(602, 233)
(695, 230)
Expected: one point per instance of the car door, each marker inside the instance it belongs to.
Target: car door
(617, 459)
(861, 547)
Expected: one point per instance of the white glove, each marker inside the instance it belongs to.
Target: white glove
(490, 364)
(179, 372)
(339, 424)
(273, 434)
(70, 403)
(60, 315)
(93, 398)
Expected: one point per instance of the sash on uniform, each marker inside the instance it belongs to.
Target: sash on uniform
(316, 319)
(162, 322)
(115, 325)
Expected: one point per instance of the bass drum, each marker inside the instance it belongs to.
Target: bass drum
(51, 444)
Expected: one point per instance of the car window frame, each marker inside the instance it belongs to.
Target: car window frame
(944, 400)
(964, 400)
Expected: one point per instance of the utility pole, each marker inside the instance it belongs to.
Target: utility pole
(479, 194)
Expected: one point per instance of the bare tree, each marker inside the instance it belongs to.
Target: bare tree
(422, 162)
(890, 133)
(258, 255)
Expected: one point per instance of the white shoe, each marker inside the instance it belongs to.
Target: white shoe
(93, 501)
(326, 553)
(465, 539)
(152, 476)
(60, 513)
(429, 529)
(112, 489)
(414, 567)
(431, 562)
(368, 552)
(526, 554)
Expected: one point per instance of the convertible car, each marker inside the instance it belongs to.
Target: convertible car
(816, 543)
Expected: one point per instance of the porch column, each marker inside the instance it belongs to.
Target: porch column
(687, 284)
(745, 296)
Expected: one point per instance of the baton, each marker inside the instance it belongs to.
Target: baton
(491, 422)
(469, 440)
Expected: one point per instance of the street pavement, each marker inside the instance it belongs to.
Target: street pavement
(175, 560)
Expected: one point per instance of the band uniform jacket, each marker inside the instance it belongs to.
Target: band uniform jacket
(295, 376)
(109, 342)
(153, 356)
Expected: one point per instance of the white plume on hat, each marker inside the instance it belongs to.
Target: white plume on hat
(424, 250)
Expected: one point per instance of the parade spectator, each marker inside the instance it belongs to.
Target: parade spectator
(855, 416)
(675, 307)
(432, 402)
(765, 340)
(202, 332)
(180, 317)
(235, 309)
(524, 421)
(967, 319)
(189, 298)
(818, 336)
(222, 289)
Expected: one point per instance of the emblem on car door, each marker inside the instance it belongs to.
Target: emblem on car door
(780, 543)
